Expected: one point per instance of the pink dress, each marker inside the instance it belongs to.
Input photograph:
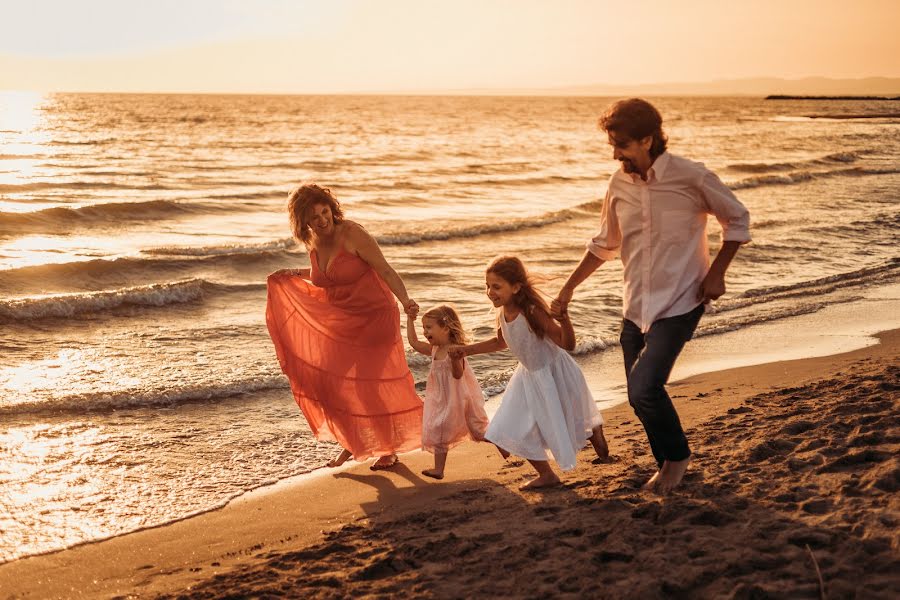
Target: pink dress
(338, 341)
(454, 408)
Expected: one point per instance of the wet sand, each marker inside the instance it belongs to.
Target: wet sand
(795, 475)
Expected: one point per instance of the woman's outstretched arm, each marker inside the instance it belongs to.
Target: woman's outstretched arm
(364, 245)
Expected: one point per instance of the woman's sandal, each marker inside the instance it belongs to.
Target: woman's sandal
(340, 459)
(380, 466)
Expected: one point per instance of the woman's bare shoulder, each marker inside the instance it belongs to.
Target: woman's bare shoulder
(354, 232)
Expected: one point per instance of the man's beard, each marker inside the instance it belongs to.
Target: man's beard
(628, 166)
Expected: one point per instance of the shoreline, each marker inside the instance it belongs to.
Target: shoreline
(846, 323)
(297, 512)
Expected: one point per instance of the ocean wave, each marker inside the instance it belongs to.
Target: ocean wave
(14, 188)
(69, 275)
(146, 397)
(288, 244)
(251, 195)
(854, 116)
(94, 214)
(20, 156)
(495, 382)
(804, 176)
(828, 159)
(767, 304)
(421, 186)
(877, 273)
(151, 295)
(591, 344)
(96, 142)
(416, 359)
(493, 226)
(68, 305)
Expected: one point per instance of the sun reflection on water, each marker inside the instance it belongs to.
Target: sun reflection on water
(56, 249)
(23, 136)
(70, 372)
(47, 465)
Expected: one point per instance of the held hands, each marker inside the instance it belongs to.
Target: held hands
(560, 306)
(411, 308)
(456, 352)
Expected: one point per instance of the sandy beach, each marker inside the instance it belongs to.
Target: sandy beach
(792, 494)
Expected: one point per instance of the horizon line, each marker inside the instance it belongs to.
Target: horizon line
(571, 90)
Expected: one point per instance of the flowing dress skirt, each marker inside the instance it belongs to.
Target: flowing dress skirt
(338, 341)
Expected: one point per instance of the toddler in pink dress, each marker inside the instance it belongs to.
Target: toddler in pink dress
(454, 403)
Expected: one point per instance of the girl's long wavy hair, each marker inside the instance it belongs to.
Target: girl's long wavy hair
(445, 316)
(528, 299)
(300, 199)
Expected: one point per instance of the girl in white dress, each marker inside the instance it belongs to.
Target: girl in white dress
(547, 404)
(454, 403)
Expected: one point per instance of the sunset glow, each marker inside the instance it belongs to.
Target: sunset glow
(404, 45)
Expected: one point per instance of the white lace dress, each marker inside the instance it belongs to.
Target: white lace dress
(547, 404)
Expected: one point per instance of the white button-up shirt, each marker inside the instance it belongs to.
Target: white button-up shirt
(658, 227)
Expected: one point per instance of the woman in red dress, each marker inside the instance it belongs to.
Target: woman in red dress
(336, 330)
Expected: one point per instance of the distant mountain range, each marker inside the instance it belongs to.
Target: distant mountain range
(757, 86)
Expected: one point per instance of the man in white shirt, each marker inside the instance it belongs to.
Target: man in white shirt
(654, 217)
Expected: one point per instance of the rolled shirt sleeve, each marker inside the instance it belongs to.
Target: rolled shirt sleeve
(728, 210)
(607, 244)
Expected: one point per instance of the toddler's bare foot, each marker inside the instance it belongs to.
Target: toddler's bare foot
(434, 473)
(671, 475)
(543, 481)
(340, 459)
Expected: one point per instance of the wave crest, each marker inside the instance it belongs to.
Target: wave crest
(68, 305)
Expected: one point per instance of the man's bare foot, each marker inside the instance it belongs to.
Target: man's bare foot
(671, 475)
(542, 481)
(503, 452)
(433, 473)
(385, 462)
(598, 441)
(340, 459)
(651, 485)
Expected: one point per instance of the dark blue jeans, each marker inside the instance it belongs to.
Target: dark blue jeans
(649, 358)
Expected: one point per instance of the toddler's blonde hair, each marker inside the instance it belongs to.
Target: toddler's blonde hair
(445, 316)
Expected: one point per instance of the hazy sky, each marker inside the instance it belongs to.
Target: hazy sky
(322, 46)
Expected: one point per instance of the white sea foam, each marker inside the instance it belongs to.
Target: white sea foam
(288, 244)
(148, 396)
(67, 305)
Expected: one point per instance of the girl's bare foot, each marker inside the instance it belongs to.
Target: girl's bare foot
(385, 462)
(542, 481)
(433, 473)
(598, 441)
(340, 459)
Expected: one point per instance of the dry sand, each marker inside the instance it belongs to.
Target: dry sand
(795, 473)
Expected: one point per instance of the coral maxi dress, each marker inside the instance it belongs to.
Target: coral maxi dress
(338, 341)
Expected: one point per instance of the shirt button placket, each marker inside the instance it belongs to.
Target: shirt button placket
(646, 263)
